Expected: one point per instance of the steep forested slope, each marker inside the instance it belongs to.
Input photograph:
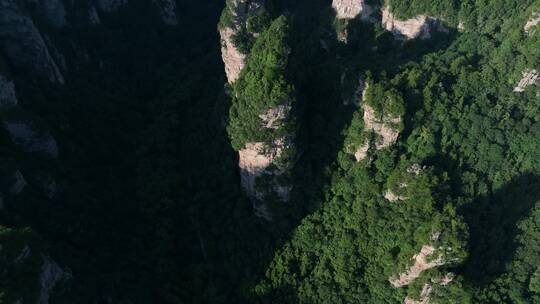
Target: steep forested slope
(336, 152)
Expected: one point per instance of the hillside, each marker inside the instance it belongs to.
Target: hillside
(269, 151)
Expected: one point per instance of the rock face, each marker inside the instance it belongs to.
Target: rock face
(110, 5)
(419, 27)
(30, 140)
(168, 11)
(424, 295)
(238, 10)
(272, 118)
(234, 60)
(382, 127)
(350, 9)
(362, 152)
(530, 77)
(51, 274)
(8, 97)
(23, 45)
(531, 23)
(422, 262)
(255, 161)
(392, 197)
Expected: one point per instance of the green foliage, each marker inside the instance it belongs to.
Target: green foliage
(262, 85)
(151, 205)
(520, 283)
(226, 18)
(385, 101)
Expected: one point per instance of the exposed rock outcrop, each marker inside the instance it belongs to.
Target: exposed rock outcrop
(424, 296)
(422, 262)
(384, 127)
(51, 275)
(385, 130)
(30, 140)
(23, 45)
(350, 9)
(274, 116)
(362, 152)
(392, 197)
(530, 77)
(531, 23)
(232, 57)
(8, 96)
(255, 161)
(419, 27)
(238, 12)
(110, 5)
(167, 9)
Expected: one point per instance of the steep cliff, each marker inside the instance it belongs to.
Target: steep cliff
(350, 9)
(381, 122)
(261, 126)
(421, 26)
(240, 22)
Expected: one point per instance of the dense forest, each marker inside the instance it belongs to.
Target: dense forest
(277, 151)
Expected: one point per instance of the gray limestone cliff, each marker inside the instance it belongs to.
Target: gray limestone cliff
(234, 20)
(350, 9)
(421, 26)
(257, 163)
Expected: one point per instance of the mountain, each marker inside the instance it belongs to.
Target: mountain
(269, 151)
